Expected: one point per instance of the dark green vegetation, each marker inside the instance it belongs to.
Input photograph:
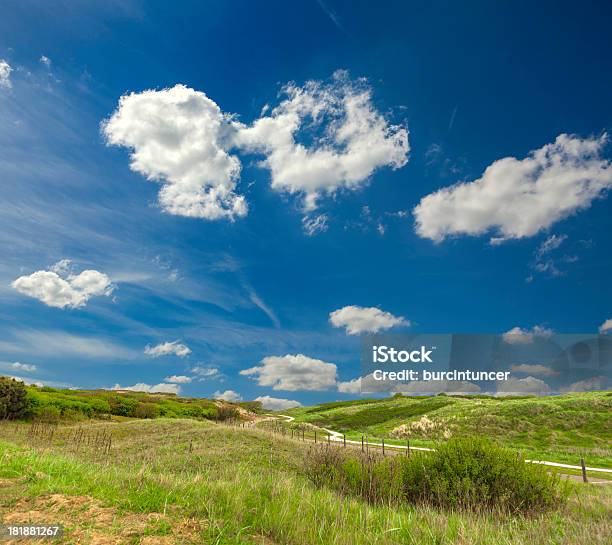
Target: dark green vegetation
(474, 474)
(13, 399)
(182, 482)
(558, 428)
(52, 405)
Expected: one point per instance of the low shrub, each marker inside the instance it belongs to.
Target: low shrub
(48, 414)
(145, 410)
(463, 473)
(227, 412)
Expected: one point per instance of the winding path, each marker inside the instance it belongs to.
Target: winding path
(338, 437)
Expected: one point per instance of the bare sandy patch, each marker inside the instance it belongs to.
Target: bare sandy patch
(87, 521)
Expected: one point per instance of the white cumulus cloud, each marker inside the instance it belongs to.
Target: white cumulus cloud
(351, 138)
(178, 379)
(165, 349)
(606, 327)
(359, 320)
(527, 385)
(517, 198)
(161, 388)
(179, 137)
(27, 367)
(5, 74)
(61, 288)
(182, 139)
(518, 335)
(228, 395)
(277, 403)
(350, 386)
(293, 373)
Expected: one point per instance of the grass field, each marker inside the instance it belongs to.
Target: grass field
(556, 428)
(183, 481)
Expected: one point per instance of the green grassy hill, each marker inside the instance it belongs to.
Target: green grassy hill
(60, 405)
(182, 482)
(562, 428)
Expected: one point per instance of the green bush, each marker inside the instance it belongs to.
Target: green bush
(464, 473)
(51, 404)
(14, 401)
(227, 412)
(145, 410)
(49, 414)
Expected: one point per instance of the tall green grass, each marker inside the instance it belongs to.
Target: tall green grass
(469, 474)
(247, 486)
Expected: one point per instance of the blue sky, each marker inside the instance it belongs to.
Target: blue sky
(447, 91)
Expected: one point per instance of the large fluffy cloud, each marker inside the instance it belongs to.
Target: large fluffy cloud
(350, 138)
(61, 288)
(228, 395)
(165, 349)
(517, 198)
(5, 74)
(277, 403)
(179, 137)
(161, 388)
(359, 320)
(294, 372)
(182, 139)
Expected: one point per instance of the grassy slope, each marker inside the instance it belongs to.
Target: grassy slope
(561, 428)
(74, 404)
(240, 486)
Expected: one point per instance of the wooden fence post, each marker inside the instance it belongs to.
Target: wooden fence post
(407, 447)
(344, 440)
(383, 446)
(584, 475)
(362, 443)
(315, 436)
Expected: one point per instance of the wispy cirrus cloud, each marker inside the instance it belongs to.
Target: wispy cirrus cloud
(57, 343)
